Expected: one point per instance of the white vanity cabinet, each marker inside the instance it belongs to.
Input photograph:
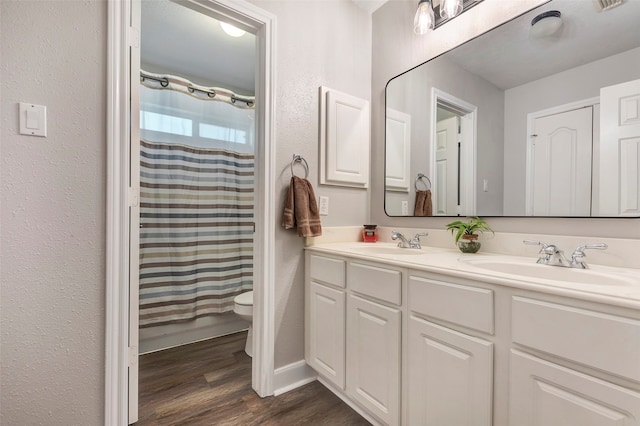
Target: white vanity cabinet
(449, 373)
(354, 331)
(542, 391)
(374, 330)
(407, 344)
(325, 311)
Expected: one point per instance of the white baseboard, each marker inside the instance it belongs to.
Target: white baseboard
(292, 376)
(158, 338)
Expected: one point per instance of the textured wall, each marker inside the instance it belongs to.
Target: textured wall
(396, 49)
(319, 43)
(53, 213)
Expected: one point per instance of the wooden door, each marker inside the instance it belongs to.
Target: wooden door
(559, 181)
(619, 154)
(373, 357)
(450, 377)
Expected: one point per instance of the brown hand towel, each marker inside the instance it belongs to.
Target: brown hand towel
(301, 209)
(423, 204)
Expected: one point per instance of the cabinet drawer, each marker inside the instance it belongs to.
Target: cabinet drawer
(327, 270)
(543, 394)
(463, 305)
(606, 342)
(381, 283)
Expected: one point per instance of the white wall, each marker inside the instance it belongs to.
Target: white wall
(396, 49)
(52, 216)
(52, 267)
(318, 43)
(573, 85)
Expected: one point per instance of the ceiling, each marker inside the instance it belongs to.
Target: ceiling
(175, 39)
(507, 56)
(178, 40)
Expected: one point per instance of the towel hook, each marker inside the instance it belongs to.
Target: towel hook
(299, 159)
(419, 178)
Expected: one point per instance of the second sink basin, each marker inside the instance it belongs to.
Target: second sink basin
(555, 273)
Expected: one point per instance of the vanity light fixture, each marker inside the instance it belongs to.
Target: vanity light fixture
(433, 13)
(425, 18)
(546, 24)
(231, 30)
(450, 8)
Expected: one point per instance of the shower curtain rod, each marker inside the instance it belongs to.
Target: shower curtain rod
(192, 88)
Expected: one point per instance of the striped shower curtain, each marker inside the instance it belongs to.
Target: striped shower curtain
(196, 236)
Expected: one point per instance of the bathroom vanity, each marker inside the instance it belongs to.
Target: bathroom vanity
(436, 337)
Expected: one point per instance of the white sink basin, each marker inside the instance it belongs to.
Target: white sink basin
(601, 276)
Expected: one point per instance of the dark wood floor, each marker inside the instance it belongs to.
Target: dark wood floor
(209, 383)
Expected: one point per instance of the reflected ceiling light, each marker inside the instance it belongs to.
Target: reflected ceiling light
(546, 24)
(231, 30)
(425, 18)
(450, 8)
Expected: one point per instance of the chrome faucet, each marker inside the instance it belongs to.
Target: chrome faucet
(577, 258)
(553, 256)
(414, 243)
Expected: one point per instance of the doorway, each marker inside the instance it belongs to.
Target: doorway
(453, 146)
(123, 198)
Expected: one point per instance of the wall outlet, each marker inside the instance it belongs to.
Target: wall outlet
(405, 208)
(485, 185)
(324, 206)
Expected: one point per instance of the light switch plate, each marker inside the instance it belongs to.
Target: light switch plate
(405, 208)
(33, 119)
(324, 206)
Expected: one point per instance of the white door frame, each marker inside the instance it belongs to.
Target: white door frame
(119, 196)
(468, 152)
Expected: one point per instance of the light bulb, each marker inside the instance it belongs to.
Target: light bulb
(231, 30)
(424, 19)
(450, 8)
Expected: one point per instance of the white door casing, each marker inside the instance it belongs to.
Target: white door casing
(620, 150)
(559, 164)
(122, 195)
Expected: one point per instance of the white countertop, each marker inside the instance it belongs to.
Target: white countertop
(621, 289)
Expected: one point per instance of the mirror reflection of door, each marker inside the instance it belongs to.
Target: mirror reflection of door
(447, 152)
(560, 159)
(453, 155)
(619, 185)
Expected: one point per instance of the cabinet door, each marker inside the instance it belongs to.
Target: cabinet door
(543, 393)
(373, 358)
(450, 377)
(327, 332)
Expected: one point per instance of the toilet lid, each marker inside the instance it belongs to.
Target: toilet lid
(244, 298)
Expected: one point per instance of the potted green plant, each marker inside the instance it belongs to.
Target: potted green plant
(466, 233)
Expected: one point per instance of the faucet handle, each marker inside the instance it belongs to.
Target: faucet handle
(546, 248)
(546, 251)
(415, 241)
(577, 258)
(579, 251)
(418, 235)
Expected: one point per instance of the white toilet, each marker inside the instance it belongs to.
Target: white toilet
(243, 307)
